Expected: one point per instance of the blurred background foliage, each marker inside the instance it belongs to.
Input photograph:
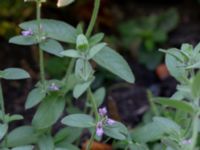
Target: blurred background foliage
(136, 28)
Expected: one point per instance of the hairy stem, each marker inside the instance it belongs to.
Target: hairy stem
(89, 145)
(152, 104)
(195, 130)
(41, 53)
(2, 107)
(94, 108)
(2, 101)
(69, 70)
(94, 18)
(94, 105)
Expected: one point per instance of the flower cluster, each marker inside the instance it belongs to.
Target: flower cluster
(104, 121)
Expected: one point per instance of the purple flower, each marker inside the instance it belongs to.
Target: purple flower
(103, 111)
(53, 87)
(110, 121)
(27, 32)
(99, 129)
(187, 142)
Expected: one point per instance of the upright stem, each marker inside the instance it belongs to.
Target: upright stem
(2, 101)
(69, 70)
(195, 130)
(94, 17)
(2, 107)
(152, 104)
(94, 107)
(41, 54)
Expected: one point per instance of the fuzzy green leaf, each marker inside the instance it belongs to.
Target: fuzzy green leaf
(14, 74)
(115, 63)
(52, 47)
(54, 29)
(79, 120)
(34, 98)
(180, 105)
(48, 112)
(23, 40)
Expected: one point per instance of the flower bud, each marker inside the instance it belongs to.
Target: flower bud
(82, 43)
(62, 3)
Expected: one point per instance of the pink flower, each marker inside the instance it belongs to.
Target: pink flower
(99, 129)
(103, 111)
(27, 32)
(53, 87)
(110, 121)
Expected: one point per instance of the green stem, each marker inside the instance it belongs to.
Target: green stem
(94, 18)
(69, 70)
(195, 130)
(2, 107)
(66, 78)
(94, 107)
(41, 53)
(2, 101)
(89, 145)
(152, 104)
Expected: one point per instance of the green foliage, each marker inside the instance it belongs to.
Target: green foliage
(113, 62)
(53, 29)
(48, 112)
(79, 120)
(35, 97)
(23, 135)
(14, 74)
(117, 131)
(3, 130)
(147, 33)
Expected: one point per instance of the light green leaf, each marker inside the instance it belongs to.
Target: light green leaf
(46, 143)
(52, 47)
(54, 29)
(23, 40)
(180, 105)
(174, 66)
(96, 39)
(48, 112)
(83, 69)
(95, 49)
(71, 53)
(197, 48)
(79, 121)
(15, 117)
(115, 63)
(34, 97)
(14, 74)
(194, 66)
(66, 146)
(171, 143)
(117, 131)
(79, 89)
(169, 125)
(67, 135)
(27, 147)
(23, 135)
(196, 86)
(100, 95)
(147, 133)
(3, 130)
